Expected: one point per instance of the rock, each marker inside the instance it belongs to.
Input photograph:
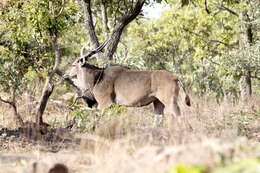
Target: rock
(59, 168)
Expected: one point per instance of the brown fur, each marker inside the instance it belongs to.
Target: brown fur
(133, 88)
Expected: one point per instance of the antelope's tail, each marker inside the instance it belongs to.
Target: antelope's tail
(187, 97)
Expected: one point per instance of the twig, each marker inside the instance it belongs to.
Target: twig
(221, 42)
(206, 41)
(6, 101)
(222, 7)
(213, 62)
(206, 7)
(61, 10)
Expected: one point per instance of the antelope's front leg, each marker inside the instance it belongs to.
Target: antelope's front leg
(104, 95)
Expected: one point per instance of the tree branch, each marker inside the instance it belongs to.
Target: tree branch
(221, 42)
(46, 93)
(125, 20)
(48, 86)
(14, 108)
(206, 7)
(89, 22)
(104, 17)
(207, 41)
(222, 7)
(61, 9)
(5, 101)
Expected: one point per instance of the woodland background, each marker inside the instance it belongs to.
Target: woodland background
(213, 45)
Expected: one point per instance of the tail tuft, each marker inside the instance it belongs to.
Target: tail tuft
(187, 100)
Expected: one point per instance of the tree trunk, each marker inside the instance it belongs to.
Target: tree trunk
(12, 103)
(104, 18)
(46, 93)
(246, 39)
(125, 20)
(246, 86)
(16, 114)
(86, 4)
(14, 108)
(116, 34)
(48, 87)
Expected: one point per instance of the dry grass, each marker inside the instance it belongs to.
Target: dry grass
(208, 133)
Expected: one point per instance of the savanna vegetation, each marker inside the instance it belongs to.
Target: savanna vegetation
(213, 45)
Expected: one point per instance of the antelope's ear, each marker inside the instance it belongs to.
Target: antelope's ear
(81, 62)
(75, 62)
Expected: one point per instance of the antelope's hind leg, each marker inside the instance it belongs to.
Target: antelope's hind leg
(158, 111)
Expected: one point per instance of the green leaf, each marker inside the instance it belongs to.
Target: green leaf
(183, 168)
(251, 165)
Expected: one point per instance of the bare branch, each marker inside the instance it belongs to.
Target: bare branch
(221, 42)
(207, 41)
(213, 62)
(125, 4)
(46, 93)
(6, 101)
(89, 22)
(124, 21)
(48, 86)
(56, 51)
(116, 12)
(61, 9)
(52, 9)
(206, 7)
(14, 108)
(104, 17)
(222, 7)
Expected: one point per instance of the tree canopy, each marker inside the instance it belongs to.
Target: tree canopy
(202, 42)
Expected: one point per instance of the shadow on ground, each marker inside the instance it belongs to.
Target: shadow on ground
(51, 139)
